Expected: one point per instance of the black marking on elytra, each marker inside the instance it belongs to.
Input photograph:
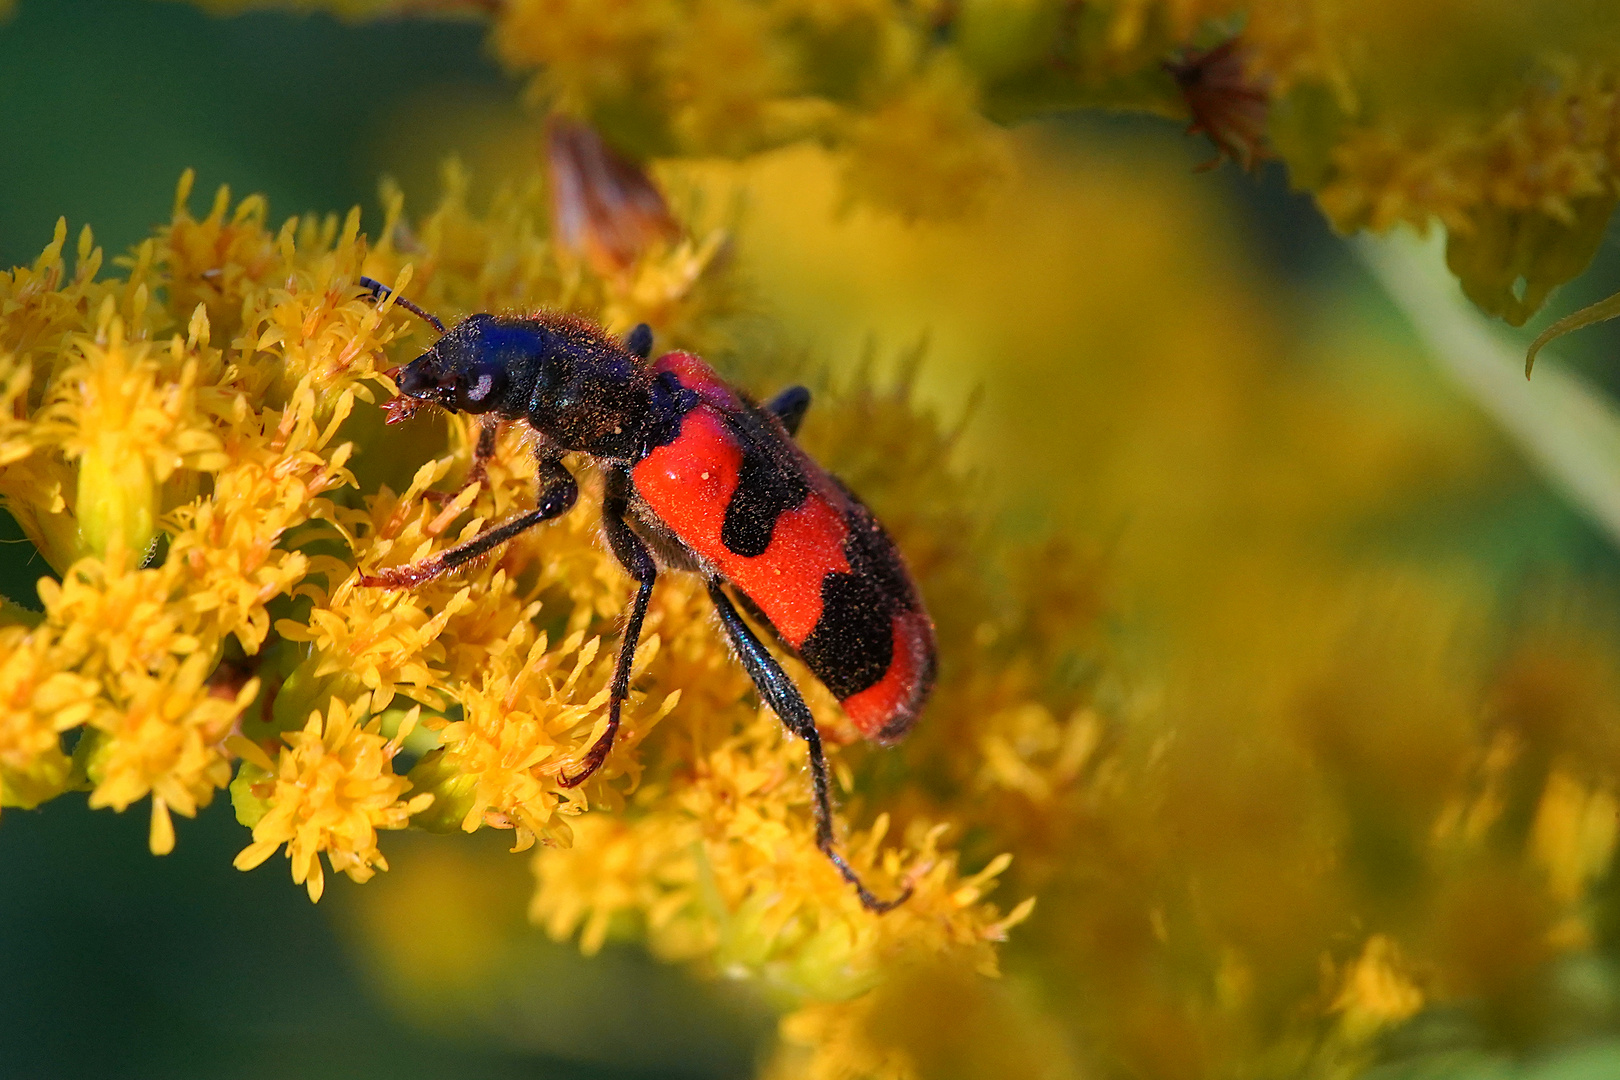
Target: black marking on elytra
(668, 403)
(873, 555)
(852, 644)
(767, 487)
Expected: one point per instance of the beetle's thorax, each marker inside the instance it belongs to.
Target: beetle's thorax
(589, 394)
(573, 383)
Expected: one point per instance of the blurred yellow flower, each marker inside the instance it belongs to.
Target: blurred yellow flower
(40, 702)
(1505, 136)
(1375, 993)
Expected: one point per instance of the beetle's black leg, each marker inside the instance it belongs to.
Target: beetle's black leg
(557, 494)
(785, 700)
(638, 561)
(489, 428)
(639, 341)
(790, 406)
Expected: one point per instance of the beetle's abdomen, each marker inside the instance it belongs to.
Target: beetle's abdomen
(735, 490)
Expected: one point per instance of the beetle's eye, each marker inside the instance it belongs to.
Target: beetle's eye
(480, 386)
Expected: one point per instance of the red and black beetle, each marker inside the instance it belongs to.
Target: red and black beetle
(698, 478)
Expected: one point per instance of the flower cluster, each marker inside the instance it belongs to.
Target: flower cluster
(1507, 137)
(330, 791)
(199, 452)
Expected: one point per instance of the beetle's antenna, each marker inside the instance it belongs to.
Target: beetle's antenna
(383, 292)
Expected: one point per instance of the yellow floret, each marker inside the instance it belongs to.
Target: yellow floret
(330, 789)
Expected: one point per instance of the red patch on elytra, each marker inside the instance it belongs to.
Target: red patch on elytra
(887, 709)
(689, 483)
(785, 579)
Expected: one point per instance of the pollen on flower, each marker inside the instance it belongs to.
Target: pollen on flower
(329, 790)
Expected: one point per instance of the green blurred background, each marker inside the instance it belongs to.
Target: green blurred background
(1187, 366)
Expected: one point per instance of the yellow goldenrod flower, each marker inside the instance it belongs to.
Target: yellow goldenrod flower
(328, 791)
(40, 701)
(516, 734)
(129, 426)
(726, 869)
(163, 737)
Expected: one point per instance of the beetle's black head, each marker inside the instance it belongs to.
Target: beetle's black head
(469, 369)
